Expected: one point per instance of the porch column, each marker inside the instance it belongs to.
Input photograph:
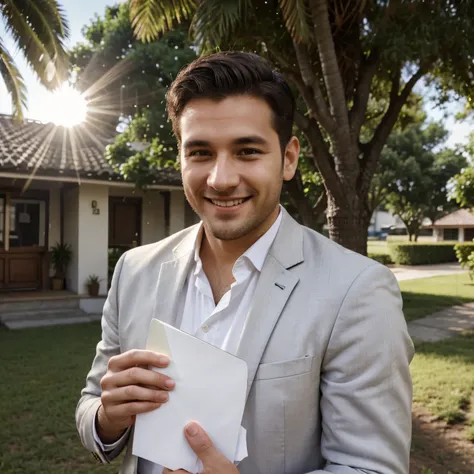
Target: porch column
(461, 234)
(93, 235)
(153, 217)
(177, 211)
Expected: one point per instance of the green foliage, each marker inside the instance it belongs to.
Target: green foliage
(462, 188)
(61, 255)
(382, 258)
(422, 254)
(463, 250)
(39, 29)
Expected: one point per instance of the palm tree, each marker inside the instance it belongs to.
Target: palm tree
(39, 28)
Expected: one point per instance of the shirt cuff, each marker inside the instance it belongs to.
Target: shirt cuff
(107, 447)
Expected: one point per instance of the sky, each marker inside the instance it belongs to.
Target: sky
(80, 12)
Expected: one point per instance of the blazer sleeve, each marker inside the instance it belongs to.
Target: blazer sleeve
(365, 381)
(108, 346)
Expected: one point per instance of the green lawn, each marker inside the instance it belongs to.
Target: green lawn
(42, 372)
(378, 247)
(424, 296)
(443, 379)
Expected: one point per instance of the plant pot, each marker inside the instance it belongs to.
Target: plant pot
(57, 284)
(93, 289)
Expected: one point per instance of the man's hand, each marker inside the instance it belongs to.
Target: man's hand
(213, 461)
(129, 389)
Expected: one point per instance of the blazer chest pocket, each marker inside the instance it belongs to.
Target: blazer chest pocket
(286, 368)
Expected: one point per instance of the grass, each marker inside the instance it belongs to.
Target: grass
(42, 372)
(424, 296)
(443, 380)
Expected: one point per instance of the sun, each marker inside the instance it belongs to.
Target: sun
(66, 107)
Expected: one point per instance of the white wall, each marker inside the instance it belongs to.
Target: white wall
(177, 211)
(71, 234)
(93, 235)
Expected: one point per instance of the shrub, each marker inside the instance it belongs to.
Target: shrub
(422, 254)
(463, 250)
(382, 258)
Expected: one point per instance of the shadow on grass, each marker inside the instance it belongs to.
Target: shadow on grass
(419, 305)
(460, 348)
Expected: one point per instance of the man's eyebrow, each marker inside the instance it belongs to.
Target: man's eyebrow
(250, 140)
(195, 143)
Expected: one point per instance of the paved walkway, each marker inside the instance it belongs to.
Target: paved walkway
(444, 324)
(426, 271)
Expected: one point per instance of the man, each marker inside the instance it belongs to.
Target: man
(320, 327)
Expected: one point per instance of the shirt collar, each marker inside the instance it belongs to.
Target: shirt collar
(257, 253)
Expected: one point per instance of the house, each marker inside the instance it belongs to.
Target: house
(458, 225)
(56, 186)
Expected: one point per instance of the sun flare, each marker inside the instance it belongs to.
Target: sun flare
(66, 107)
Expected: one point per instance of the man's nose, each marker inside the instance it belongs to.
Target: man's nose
(224, 174)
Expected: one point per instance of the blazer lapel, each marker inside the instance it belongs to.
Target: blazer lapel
(275, 285)
(171, 280)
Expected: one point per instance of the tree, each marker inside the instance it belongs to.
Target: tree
(461, 186)
(415, 175)
(339, 55)
(39, 29)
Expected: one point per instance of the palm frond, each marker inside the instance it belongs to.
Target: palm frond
(39, 29)
(151, 17)
(297, 18)
(216, 21)
(13, 81)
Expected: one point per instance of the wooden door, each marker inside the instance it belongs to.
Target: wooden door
(125, 216)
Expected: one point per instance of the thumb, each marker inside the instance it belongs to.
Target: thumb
(202, 445)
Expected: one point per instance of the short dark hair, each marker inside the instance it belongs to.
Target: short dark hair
(221, 75)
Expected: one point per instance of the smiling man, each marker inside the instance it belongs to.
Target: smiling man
(320, 327)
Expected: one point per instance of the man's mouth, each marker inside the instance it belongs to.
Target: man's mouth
(228, 203)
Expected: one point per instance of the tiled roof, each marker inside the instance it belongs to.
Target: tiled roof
(459, 218)
(49, 150)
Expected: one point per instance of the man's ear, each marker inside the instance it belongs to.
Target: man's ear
(290, 160)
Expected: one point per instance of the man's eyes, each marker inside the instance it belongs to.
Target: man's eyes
(250, 151)
(200, 153)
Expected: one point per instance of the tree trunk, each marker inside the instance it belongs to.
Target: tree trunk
(348, 223)
(410, 236)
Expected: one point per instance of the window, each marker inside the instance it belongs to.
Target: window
(451, 234)
(27, 223)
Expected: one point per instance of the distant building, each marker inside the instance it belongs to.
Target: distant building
(458, 225)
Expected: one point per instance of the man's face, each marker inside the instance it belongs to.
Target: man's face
(231, 164)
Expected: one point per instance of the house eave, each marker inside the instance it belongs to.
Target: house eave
(79, 180)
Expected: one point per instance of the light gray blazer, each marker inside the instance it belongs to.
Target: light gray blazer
(326, 345)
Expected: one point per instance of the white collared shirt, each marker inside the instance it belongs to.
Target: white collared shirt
(220, 325)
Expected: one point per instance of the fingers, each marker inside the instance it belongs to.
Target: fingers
(137, 357)
(134, 393)
(137, 376)
(130, 409)
(202, 445)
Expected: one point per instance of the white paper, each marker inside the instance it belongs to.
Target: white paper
(211, 386)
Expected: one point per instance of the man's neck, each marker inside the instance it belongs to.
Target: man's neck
(226, 252)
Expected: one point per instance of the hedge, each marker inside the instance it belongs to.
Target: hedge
(422, 254)
(382, 258)
(463, 250)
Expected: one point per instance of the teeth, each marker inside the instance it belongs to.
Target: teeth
(227, 203)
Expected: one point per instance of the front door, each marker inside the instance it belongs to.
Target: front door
(22, 242)
(125, 216)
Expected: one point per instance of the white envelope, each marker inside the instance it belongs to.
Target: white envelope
(211, 387)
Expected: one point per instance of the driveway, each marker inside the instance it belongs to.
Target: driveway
(425, 271)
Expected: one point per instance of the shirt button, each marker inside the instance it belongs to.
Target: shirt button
(205, 328)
